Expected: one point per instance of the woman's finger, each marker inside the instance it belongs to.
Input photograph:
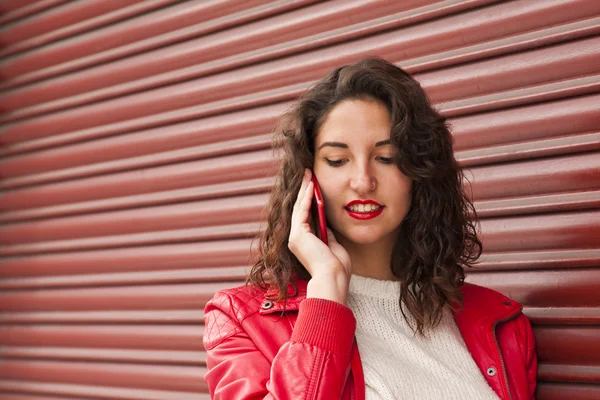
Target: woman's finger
(296, 219)
(301, 192)
(298, 216)
(303, 211)
(307, 199)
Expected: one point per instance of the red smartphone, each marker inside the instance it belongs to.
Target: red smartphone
(319, 211)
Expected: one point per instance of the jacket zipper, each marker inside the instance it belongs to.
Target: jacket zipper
(500, 351)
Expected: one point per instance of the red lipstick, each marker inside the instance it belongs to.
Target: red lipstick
(364, 215)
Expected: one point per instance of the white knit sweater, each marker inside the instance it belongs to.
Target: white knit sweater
(400, 365)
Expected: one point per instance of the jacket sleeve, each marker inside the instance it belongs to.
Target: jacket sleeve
(313, 365)
(532, 362)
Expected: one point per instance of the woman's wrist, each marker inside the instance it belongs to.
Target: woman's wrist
(329, 286)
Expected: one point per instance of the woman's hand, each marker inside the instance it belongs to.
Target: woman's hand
(329, 266)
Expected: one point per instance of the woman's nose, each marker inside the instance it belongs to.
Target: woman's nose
(363, 184)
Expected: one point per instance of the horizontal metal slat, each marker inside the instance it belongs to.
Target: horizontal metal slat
(148, 297)
(311, 27)
(56, 18)
(153, 356)
(515, 43)
(575, 345)
(573, 230)
(218, 170)
(513, 71)
(15, 396)
(179, 23)
(563, 315)
(561, 391)
(554, 288)
(11, 5)
(203, 111)
(102, 392)
(118, 239)
(512, 98)
(575, 201)
(224, 273)
(127, 317)
(568, 373)
(548, 120)
(227, 189)
(220, 148)
(137, 259)
(113, 36)
(109, 337)
(538, 259)
(525, 178)
(14, 9)
(212, 130)
(217, 212)
(76, 23)
(528, 149)
(425, 38)
(135, 376)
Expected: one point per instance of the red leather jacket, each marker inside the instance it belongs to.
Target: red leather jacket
(256, 350)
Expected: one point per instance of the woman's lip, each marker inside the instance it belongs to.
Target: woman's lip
(364, 202)
(365, 215)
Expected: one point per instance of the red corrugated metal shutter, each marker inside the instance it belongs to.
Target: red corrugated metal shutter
(135, 163)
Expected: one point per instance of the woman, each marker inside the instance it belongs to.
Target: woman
(382, 311)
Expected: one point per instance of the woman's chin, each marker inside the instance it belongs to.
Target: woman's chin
(361, 236)
(365, 239)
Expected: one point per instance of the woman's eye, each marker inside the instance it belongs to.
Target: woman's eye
(337, 163)
(334, 163)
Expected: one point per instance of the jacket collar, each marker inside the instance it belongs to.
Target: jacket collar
(484, 307)
(480, 305)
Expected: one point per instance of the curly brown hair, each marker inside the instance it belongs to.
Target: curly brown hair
(438, 235)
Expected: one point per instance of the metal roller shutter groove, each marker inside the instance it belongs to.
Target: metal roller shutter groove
(136, 159)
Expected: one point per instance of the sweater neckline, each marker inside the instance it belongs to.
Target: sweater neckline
(371, 287)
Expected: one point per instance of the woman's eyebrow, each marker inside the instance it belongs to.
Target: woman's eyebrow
(345, 146)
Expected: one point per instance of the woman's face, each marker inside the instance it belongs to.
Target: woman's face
(353, 152)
